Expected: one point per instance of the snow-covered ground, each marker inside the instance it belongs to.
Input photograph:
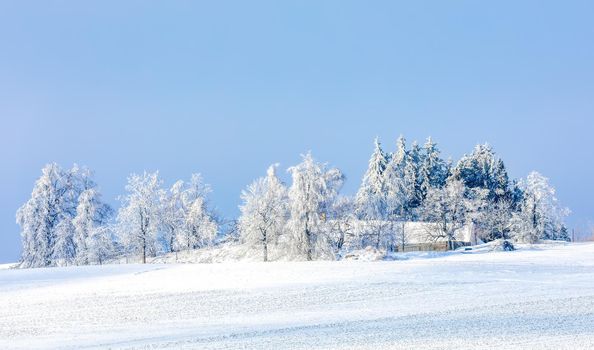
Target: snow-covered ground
(537, 298)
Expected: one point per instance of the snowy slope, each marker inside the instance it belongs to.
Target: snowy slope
(532, 298)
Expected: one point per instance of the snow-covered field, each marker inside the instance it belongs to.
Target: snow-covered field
(538, 298)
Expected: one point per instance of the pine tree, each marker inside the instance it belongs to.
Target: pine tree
(399, 156)
(500, 188)
(412, 179)
(482, 169)
(395, 191)
(371, 201)
(433, 168)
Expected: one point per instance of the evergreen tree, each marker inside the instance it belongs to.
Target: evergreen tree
(370, 199)
(482, 169)
(412, 179)
(399, 156)
(396, 194)
(433, 168)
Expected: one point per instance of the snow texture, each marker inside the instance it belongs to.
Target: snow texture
(539, 296)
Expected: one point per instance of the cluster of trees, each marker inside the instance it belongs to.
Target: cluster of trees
(66, 222)
(153, 220)
(310, 219)
(416, 184)
(291, 222)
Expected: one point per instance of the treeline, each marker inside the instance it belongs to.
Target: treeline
(66, 221)
(416, 184)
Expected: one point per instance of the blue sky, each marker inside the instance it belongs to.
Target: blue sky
(226, 88)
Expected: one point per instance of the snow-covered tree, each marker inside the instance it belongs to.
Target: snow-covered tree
(311, 194)
(47, 218)
(64, 252)
(138, 219)
(433, 170)
(501, 184)
(540, 215)
(371, 201)
(403, 182)
(173, 214)
(447, 208)
(393, 185)
(91, 215)
(396, 193)
(200, 225)
(263, 212)
(100, 245)
(399, 156)
(39, 217)
(412, 177)
(482, 169)
(343, 231)
(495, 220)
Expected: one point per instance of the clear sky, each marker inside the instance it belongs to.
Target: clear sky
(226, 88)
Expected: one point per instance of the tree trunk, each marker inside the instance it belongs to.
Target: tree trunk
(144, 253)
(378, 234)
(265, 245)
(143, 229)
(309, 248)
(403, 243)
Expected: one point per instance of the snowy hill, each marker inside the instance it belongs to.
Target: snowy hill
(536, 297)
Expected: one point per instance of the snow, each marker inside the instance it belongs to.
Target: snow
(7, 266)
(539, 296)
